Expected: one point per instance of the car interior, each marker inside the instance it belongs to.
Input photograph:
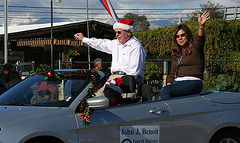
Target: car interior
(145, 92)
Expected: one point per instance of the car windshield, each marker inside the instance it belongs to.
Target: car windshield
(36, 91)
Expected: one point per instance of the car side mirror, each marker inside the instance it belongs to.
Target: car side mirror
(98, 102)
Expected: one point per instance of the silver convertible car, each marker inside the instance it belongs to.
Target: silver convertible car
(60, 107)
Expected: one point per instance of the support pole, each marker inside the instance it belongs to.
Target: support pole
(52, 48)
(5, 31)
(89, 60)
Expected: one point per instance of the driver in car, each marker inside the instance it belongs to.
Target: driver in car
(44, 96)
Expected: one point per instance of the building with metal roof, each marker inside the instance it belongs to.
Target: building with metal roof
(27, 43)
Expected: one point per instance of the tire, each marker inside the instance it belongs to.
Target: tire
(44, 139)
(226, 137)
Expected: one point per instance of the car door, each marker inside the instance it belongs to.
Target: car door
(193, 118)
(138, 122)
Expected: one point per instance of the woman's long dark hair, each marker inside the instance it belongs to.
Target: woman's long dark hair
(176, 51)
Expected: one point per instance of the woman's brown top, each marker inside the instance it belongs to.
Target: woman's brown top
(190, 65)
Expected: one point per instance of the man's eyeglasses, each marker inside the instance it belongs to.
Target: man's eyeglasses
(118, 32)
(181, 35)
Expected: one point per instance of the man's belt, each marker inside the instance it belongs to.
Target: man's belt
(119, 72)
(123, 73)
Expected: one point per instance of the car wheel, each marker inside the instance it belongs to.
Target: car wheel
(44, 139)
(226, 137)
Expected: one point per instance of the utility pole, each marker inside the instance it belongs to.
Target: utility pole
(52, 58)
(52, 40)
(89, 66)
(5, 31)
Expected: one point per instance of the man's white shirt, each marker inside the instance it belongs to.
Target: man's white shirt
(129, 57)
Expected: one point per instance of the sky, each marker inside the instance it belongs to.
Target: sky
(33, 11)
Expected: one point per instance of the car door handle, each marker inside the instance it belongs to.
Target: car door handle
(158, 110)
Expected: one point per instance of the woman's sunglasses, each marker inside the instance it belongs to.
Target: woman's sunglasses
(181, 35)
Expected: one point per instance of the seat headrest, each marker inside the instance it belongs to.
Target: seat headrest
(128, 84)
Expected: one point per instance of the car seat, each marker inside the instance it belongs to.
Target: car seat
(146, 92)
(129, 86)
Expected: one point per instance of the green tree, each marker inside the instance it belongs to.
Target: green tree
(216, 10)
(140, 23)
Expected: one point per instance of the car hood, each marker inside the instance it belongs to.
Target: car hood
(12, 113)
(224, 97)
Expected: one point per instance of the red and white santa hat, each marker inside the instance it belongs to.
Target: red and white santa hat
(124, 25)
(115, 84)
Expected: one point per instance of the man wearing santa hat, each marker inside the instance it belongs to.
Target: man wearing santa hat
(128, 55)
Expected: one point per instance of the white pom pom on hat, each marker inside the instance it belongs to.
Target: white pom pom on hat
(124, 25)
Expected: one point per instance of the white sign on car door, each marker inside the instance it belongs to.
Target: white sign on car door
(139, 134)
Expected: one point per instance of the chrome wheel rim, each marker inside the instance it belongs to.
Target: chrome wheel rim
(228, 140)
